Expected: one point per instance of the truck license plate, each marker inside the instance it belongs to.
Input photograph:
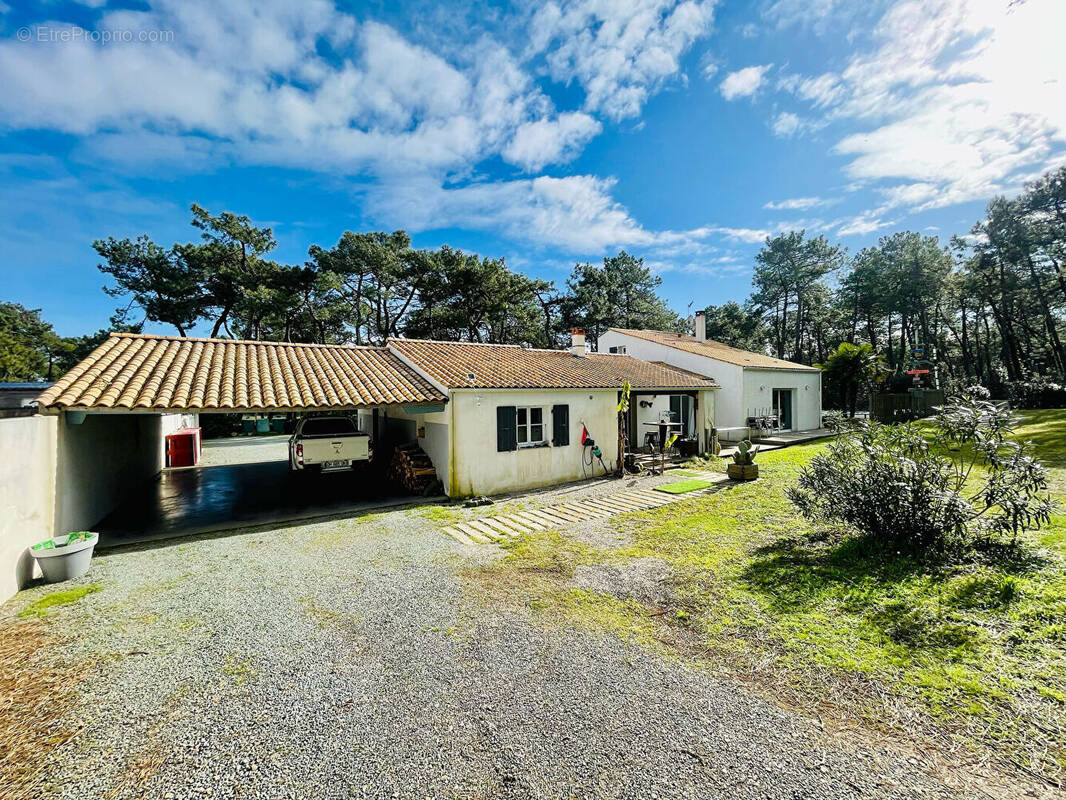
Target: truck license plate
(336, 464)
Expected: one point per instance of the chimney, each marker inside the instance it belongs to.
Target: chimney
(577, 341)
(701, 326)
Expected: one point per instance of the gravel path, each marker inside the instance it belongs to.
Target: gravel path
(343, 660)
(244, 450)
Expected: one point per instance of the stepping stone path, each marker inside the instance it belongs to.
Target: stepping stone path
(492, 529)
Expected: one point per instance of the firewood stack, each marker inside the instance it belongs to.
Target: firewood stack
(412, 468)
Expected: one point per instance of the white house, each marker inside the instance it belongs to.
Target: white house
(753, 384)
(491, 418)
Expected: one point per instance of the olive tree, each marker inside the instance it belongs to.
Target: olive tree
(962, 478)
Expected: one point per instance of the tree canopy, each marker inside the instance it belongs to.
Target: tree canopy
(986, 307)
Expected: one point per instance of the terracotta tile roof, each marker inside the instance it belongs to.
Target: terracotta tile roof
(715, 350)
(172, 373)
(465, 365)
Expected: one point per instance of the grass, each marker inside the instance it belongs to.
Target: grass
(822, 620)
(239, 670)
(37, 697)
(682, 487)
(44, 605)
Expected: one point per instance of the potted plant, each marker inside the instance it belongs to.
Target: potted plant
(744, 467)
(65, 557)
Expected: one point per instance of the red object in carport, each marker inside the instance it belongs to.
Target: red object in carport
(183, 448)
(198, 444)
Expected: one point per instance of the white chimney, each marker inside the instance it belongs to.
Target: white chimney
(577, 341)
(701, 326)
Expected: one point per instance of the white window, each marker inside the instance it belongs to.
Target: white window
(530, 426)
(620, 350)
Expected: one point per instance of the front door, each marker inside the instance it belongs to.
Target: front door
(783, 407)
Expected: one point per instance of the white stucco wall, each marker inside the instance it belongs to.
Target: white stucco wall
(477, 467)
(27, 495)
(99, 463)
(806, 395)
(57, 477)
(728, 401)
(659, 403)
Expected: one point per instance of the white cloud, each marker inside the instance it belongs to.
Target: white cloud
(249, 83)
(313, 87)
(572, 214)
(821, 90)
(956, 100)
(748, 235)
(722, 267)
(794, 12)
(743, 82)
(786, 124)
(797, 204)
(619, 51)
(862, 224)
(549, 141)
(575, 212)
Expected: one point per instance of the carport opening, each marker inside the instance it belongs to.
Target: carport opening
(246, 476)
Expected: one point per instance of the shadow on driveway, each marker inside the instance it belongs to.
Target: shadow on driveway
(191, 501)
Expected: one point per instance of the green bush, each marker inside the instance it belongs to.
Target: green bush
(908, 489)
(1036, 393)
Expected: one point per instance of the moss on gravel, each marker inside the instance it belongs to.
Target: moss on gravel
(42, 606)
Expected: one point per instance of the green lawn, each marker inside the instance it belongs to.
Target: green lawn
(683, 487)
(817, 619)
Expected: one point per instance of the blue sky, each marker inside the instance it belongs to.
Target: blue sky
(547, 133)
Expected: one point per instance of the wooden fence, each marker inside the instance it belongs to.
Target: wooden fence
(903, 406)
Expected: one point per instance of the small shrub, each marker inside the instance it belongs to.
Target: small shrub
(1036, 393)
(898, 487)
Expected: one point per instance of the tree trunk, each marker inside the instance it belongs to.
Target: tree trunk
(1049, 320)
(218, 322)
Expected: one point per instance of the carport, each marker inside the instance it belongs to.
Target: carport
(109, 472)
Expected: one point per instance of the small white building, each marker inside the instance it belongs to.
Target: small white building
(515, 415)
(754, 385)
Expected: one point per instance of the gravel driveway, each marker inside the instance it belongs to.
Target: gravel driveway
(343, 659)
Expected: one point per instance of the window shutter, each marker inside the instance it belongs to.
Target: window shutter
(561, 425)
(506, 429)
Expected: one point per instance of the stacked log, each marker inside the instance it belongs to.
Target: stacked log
(411, 468)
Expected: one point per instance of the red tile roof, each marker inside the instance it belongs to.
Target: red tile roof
(467, 365)
(170, 373)
(715, 350)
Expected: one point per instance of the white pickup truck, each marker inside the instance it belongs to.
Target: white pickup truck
(328, 444)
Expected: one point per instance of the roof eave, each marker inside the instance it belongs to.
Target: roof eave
(58, 408)
(797, 368)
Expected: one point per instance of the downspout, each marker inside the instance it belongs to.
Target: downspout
(453, 484)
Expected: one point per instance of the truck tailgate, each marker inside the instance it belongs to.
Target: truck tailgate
(349, 447)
